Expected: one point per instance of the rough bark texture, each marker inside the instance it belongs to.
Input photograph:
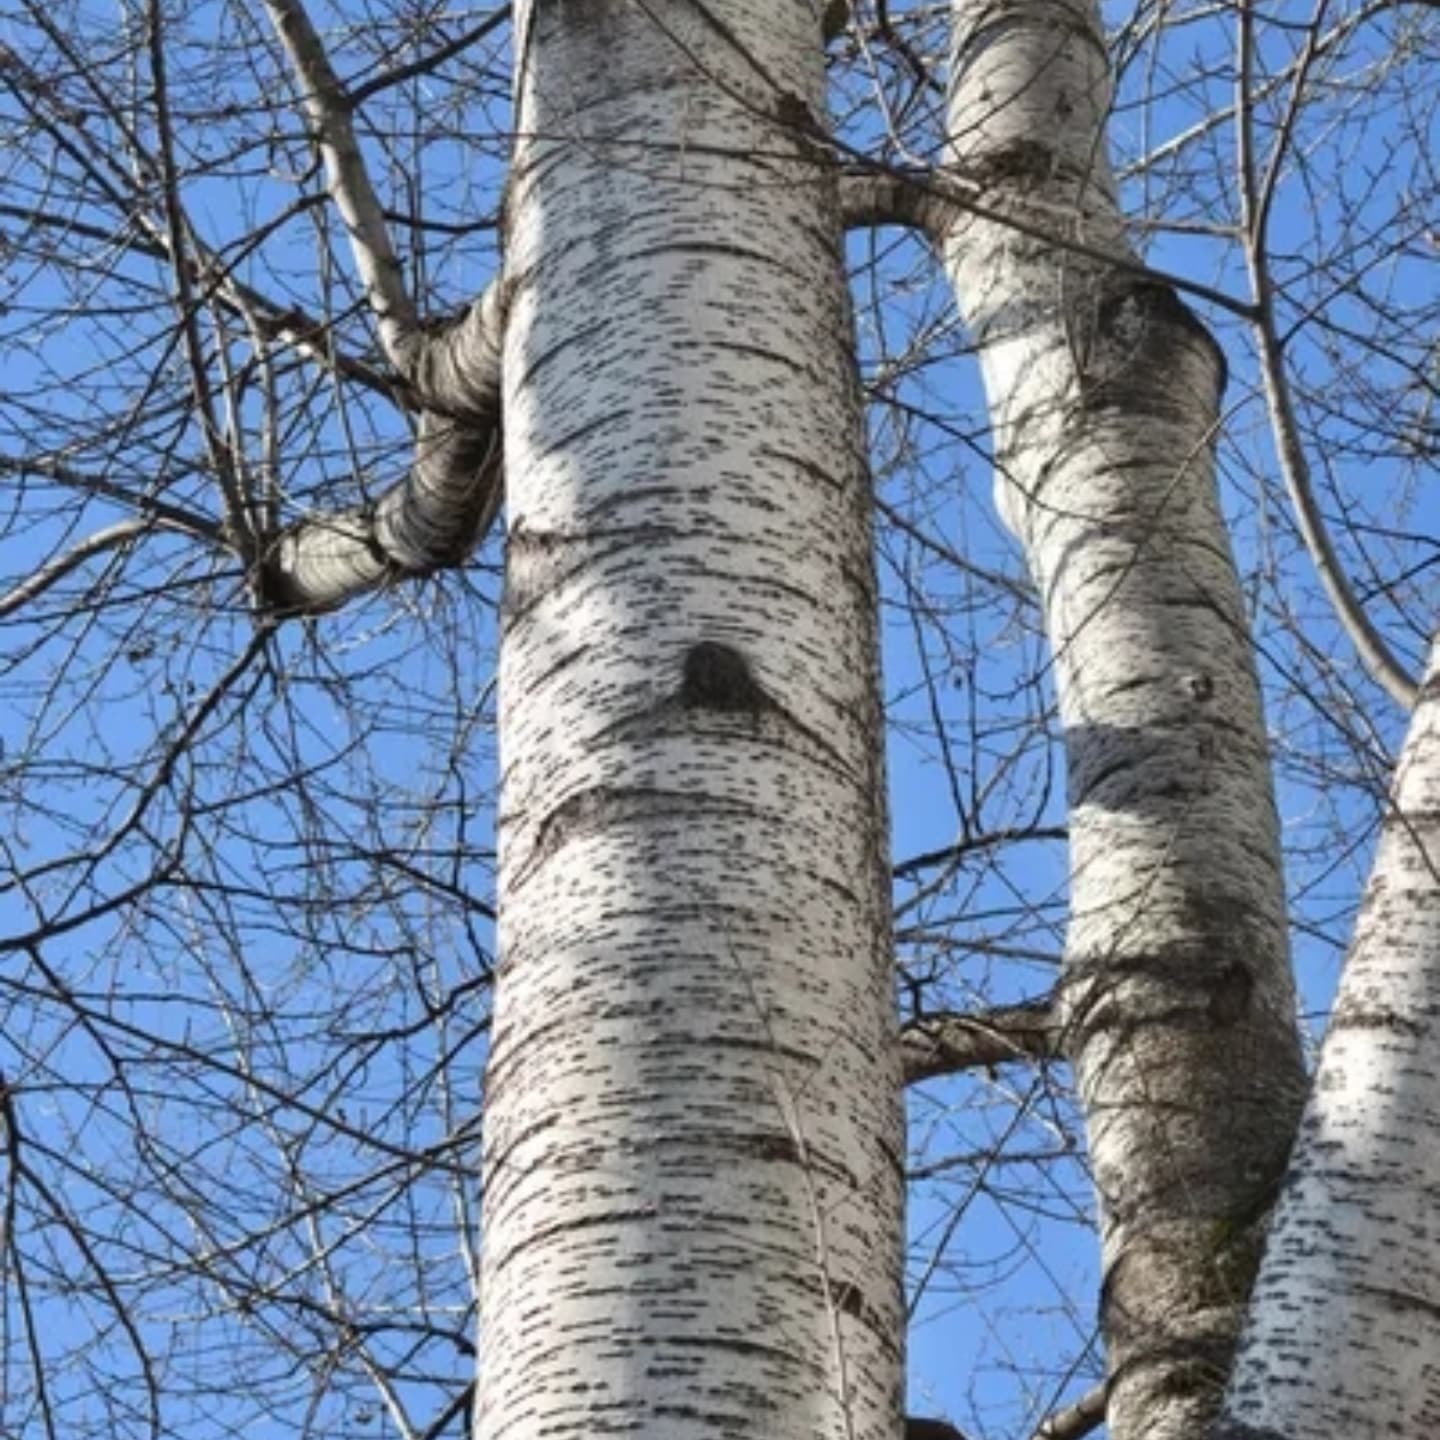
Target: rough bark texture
(1344, 1329)
(692, 1155)
(1178, 1006)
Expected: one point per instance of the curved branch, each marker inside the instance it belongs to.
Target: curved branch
(1085, 1415)
(1256, 195)
(1071, 1423)
(443, 508)
(935, 202)
(1383, 665)
(893, 197)
(36, 584)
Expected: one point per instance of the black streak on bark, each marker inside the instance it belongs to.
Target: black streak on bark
(717, 677)
(917, 1429)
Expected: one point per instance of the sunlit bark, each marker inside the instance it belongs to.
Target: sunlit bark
(449, 373)
(692, 1157)
(437, 514)
(1177, 1004)
(1344, 1331)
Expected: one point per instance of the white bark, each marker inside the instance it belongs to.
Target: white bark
(1178, 1002)
(441, 509)
(328, 109)
(1343, 1335)
(693, 1139)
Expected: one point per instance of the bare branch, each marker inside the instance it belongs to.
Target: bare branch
(174, 516)
(1074, 1421)
(36, 584)
(1256, 195)
(890, 197)
(1071, 1423)
(329, 108)
(426, 64)
(946, 1043)
(934, 203)
(444, 506)
(222, 457)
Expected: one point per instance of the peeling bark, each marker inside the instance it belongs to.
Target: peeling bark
(1344, 1329)
(1177, 998)
(693, 1142)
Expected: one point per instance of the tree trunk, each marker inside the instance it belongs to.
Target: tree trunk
(1344, 1330)
(693, 1133)
(1178, 1004)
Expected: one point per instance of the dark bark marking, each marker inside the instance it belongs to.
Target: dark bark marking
(572, 439)
(545, 1234)
(1402, 1300)
(1146, 323)
(1378, 1019)
(717, 677)
(540, 562)
(536, 363)
(1230, 987)
(604, 805)
(1183, 986)
(807, 468)
(1021, 160)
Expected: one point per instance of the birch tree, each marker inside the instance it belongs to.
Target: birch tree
(1178, 1006)
(693, 1142)
(299, 302)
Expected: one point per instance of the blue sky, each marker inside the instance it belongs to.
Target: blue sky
(327, 901)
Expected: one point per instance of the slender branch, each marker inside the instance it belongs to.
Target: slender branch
(222, 456)
(175, 516)
(425, 64)
(948, 854)
(946, 1043)
(456, 1411)
(36, 584)
(1256, 196)
(329, 107)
